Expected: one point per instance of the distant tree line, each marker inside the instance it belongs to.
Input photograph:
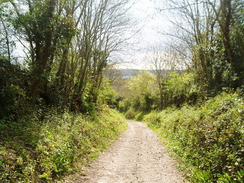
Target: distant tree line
(207, 43)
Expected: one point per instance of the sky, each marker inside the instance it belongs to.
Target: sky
(150, 22)
(147, 23)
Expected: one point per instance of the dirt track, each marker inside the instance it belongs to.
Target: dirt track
(138, 156)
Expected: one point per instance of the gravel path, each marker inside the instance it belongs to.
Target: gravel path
(137, 157)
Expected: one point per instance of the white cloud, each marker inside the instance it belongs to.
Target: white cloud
(148, 20)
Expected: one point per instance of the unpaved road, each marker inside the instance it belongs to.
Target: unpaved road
(137, 157)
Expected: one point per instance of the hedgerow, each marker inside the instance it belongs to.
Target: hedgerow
(208, 139)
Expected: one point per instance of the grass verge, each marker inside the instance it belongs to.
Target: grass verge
(34, 150)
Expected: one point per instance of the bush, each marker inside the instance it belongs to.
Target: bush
(208, 140)
(131, 113)
(12, 82)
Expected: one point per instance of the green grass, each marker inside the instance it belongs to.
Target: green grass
(46, 150)
(208, 140)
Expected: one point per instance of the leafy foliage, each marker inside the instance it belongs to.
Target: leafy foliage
(139, 93)
(180, 89)
(66, 46)
(142, 93)
(208, 140)
(36, 150)
(12, 89)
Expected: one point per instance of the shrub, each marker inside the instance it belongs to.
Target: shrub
(208, 140)
(131, 113)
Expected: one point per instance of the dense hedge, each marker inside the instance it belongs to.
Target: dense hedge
(208, 139)
(45, 150)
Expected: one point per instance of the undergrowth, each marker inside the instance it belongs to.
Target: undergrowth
(35, 150)
(208, 140)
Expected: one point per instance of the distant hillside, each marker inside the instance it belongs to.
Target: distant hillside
(127, 73)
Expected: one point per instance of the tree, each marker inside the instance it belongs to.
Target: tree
(43, 27)
(207, 27)
(163, 63)
(103, 23)
(228, 15)
(159, 67)
(140, 91)
(5, 32)
(69, 43)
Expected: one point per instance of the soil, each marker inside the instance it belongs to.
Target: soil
(137, 157)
